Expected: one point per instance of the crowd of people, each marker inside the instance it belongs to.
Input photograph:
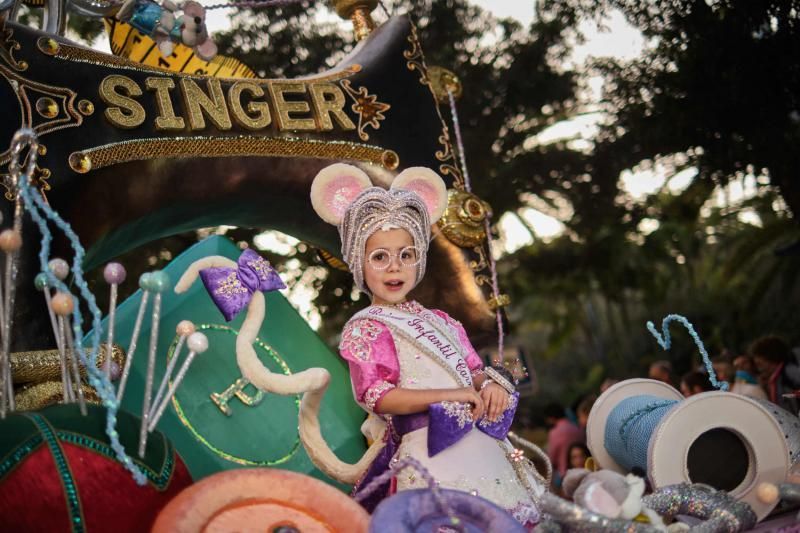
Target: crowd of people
(768, 371)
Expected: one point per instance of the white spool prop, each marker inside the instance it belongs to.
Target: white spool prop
(737, 417)
(756, 428)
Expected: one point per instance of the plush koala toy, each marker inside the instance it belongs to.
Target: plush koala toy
(160, 22)
(194, 32)
(610, 494)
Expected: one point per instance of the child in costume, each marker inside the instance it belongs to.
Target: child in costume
(412, 367)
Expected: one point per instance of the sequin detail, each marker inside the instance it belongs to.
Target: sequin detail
(262, 267)
(410, 306)
(375, 393)
(475, 372)
(357, 339)
(525, 514)
(67, 481)
(230, 286)
(20, 453)
(460, 411)
(159, 479)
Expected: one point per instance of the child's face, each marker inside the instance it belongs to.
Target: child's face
(393, 283)
(577, 458)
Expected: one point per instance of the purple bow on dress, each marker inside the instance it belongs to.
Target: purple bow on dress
(231, 289)
(450, 421)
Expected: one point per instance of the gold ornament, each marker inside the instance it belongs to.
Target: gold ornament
(86, 107)
(48, 46)
(47, 107)
(358, 11)
(501, 300)
(442, 82)
(80, 162)
(463, 220)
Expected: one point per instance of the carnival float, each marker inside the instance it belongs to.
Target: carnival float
(173, 412)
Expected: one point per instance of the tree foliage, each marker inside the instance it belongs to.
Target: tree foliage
(714, 94)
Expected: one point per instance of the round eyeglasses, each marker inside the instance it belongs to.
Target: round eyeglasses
(381, 258)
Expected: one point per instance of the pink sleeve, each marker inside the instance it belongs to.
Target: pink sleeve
(471, 357)
(368, 348)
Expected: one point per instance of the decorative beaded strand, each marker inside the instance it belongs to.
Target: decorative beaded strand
(487, 228)
(97, 378)
(665, 342)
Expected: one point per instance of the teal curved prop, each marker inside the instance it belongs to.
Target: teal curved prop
(217, 421)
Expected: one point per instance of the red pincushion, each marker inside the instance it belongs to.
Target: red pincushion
(33, 495)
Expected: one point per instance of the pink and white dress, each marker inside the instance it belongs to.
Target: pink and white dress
(411, 347)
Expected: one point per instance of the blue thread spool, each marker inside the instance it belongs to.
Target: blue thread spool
(629, 427)
(722, 439)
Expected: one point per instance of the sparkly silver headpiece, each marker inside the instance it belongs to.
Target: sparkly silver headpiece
(377, 209)
(342, 195)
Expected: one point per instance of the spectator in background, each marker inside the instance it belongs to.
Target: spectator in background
(694, 383)
(578, 453)
(583, 410)
(607, 384)
(741, 382)
(661, 371)
(779, 370)
(561, 435)
(746, 369)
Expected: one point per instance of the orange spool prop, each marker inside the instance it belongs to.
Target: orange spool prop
(262, 499)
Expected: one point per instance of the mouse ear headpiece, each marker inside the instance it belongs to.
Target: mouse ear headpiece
(334, 189)
(428, 185)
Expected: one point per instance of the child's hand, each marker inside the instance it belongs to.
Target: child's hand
(468, 395)
(495, 398)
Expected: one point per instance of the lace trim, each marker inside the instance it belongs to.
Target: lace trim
(375, 393)
(460, 411)
(357, 338)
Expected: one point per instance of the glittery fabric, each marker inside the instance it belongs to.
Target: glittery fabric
(717, 510)
(45, 365)
(375, 209)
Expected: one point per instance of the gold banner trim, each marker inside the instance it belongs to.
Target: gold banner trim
(143, 149)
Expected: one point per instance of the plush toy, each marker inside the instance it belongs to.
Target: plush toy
(610, 494)
(159, 21)
(194, 32)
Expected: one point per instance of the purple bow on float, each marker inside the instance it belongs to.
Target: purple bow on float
(450, 421)
(231, 289)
